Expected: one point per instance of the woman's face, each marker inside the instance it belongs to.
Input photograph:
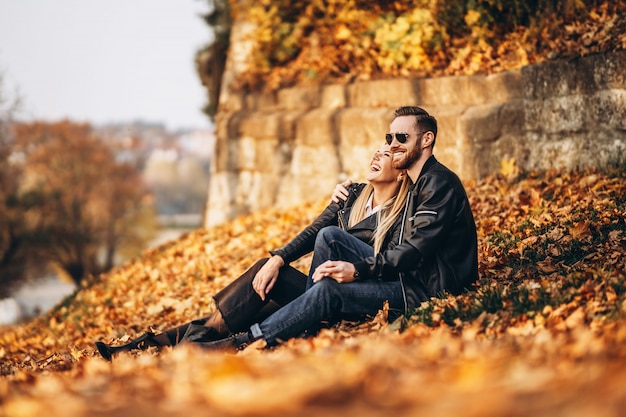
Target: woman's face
(381, 169)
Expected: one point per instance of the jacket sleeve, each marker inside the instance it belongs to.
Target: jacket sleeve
(304, 242)
(430, 214)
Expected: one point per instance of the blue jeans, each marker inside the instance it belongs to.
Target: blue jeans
(335, 244)
(329, 300)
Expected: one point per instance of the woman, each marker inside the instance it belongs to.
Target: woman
(369, 214)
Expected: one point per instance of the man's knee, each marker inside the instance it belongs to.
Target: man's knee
(326, 291)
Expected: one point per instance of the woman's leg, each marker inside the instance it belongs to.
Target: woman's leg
(240, 306)
(335, 244)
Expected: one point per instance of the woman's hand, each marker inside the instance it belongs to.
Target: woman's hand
(265, 279)
(340, 271)
(341, 193)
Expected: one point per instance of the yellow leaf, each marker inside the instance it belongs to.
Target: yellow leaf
(508, 167)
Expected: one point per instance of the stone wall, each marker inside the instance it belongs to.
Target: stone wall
(296, 144)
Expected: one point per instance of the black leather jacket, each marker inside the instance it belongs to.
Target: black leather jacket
(437, 249)
(335, 214)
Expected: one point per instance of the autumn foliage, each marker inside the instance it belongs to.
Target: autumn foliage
(544, 332)
(309, 42)
(67, 201)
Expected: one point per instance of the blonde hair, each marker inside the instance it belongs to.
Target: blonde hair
(387, 214)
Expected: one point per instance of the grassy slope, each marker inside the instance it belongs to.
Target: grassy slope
(544, 333)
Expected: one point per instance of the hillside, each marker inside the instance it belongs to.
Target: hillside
(543, 334)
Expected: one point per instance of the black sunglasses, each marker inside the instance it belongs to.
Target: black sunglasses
(400, 137)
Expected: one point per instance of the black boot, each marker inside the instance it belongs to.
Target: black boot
(142, 342)
(232, 343)
(197, 332)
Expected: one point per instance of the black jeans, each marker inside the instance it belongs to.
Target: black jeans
(241, 306)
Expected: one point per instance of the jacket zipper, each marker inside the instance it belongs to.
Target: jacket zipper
(406, 208)
(340, 218)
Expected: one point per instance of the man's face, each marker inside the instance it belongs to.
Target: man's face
(405, 154)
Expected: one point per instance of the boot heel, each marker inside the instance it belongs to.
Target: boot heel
(142, 342)
(104, 350)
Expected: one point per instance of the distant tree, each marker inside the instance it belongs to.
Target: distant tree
(211, 59)
(82, 204)
(11, 220)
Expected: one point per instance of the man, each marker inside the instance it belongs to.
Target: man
(436, 250)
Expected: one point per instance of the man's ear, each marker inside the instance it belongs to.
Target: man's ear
(427, 139)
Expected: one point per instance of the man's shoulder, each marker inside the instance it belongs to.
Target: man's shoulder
(438, 172)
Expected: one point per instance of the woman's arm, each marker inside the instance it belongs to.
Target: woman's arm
(304, 242)
(265, 279)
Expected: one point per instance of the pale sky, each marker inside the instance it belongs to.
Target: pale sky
(103, 61)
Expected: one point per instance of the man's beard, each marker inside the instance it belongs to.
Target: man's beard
(409, 158)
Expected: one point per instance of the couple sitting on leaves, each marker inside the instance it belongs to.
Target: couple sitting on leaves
(414, 212)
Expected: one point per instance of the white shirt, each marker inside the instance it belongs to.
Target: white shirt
(368, 207)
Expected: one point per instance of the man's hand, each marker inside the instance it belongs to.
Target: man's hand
(265, 279)
(340, 271)
(341, 191)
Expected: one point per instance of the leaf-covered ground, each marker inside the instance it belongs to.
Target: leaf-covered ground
(543, 334)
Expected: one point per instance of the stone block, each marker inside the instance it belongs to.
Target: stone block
(221, 202)
(246, 153)
(225, 158)
(333, 96)
(613, 71)
(509, 145)
(287, 126)
(299, 98)
(312, 174)
(608, 108)
(560, 114)
(470, 90)
(486, 123)
(316, 128)
(264, 102)
(383, 93)
(227, 140)
(581, 76)
(481, 124)
(268, 156)
(501, 87)
(563, 152)
(222, 120)
(513, 117)
(361, 132)
(607, 148)
(452, 157)
(259, 125)
(231, 102)
(448, 134)
(255, 191)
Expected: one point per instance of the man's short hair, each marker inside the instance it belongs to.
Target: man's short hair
(423, 120)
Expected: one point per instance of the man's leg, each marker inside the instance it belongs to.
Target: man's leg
(335, 244)
(329, 300)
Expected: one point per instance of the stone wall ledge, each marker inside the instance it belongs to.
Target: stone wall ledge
(296, 144)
